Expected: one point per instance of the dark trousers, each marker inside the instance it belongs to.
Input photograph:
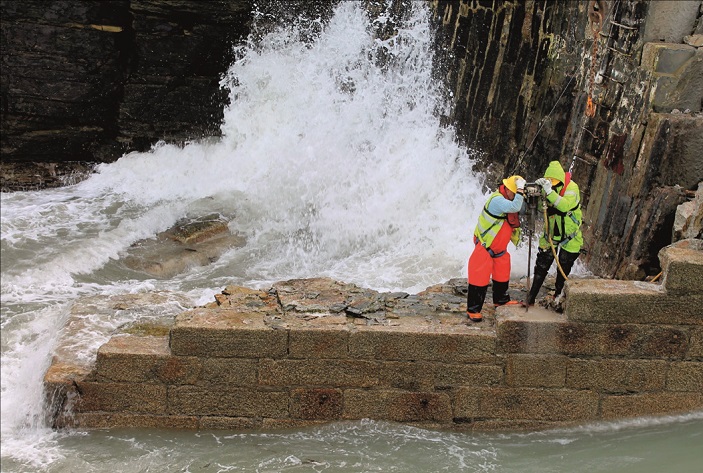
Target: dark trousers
(545, 258)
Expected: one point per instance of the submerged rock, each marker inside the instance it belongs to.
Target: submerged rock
(187, 244)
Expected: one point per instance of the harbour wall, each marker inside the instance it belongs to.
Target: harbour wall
(313, 351)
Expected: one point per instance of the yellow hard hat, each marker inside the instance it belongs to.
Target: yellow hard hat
(510, 183)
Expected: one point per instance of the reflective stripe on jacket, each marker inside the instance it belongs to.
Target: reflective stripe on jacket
(564, 221)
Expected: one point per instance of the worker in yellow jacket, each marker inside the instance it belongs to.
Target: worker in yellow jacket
(563, 228)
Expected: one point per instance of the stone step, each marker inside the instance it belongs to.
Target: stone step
(629, 302)
(544, 332)
(143, 359)
(682, 264)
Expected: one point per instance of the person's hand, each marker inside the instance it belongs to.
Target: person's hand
(545, 183)
(520, 184)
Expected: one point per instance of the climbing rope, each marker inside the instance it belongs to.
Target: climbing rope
(551, 243)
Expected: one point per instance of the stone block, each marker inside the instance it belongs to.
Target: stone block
(228, 423)
(60, 392)
(688, 221)
(229, 372)
(547, 371)
(322, 373)
(616, 376)
(453, 376)
(666, 58)
(538, 404)
(670, 21)
(536, 331)
(682, 264)
(670, 343)
(673, 58)
(322, 342)
(104, 420)
(234, 402)
(399, 406)
(226, 333)
(64, 374)
(137, 359)
(520, 333)
(637, 405)
(622, 302)
(139, 398)
(685, 376)
(453, 344)
(680, 89)
(695, 348)
(317, 404)
(406, 375)
(466, 403)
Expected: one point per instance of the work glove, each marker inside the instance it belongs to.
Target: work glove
(520, 184)
(516, 236)
(545, 183)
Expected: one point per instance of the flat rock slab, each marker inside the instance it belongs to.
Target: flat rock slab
(187, 244)
(533, 314)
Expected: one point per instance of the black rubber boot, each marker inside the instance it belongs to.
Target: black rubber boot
(475, 298)
(500, 293)
(545, 258)
(537, 282)
(566, 261)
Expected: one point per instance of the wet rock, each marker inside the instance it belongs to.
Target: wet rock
(688, 222)
(91, 80)
(189, 243)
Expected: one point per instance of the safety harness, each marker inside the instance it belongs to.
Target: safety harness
(493, 220)
(563, 215)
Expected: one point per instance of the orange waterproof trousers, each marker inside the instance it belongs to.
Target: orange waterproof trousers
(482, 265)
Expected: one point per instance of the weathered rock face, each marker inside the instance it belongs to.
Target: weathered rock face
(507, 64)
(521, 73)
(87, 81)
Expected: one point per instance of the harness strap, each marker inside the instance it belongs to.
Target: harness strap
(495, 217)
(492, 253)
(567, 239)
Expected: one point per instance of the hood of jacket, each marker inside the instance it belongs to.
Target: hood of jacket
(555, 171)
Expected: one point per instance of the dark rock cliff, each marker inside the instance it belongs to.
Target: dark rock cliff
(521, 73)
(86, 81)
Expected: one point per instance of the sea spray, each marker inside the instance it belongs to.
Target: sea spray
(332, 162)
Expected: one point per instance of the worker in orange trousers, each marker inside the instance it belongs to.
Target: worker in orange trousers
(497, 226)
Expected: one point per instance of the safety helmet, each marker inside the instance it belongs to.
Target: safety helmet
(509, 182)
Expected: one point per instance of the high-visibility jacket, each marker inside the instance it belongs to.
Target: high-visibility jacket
(489, 225)
(564, 218)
